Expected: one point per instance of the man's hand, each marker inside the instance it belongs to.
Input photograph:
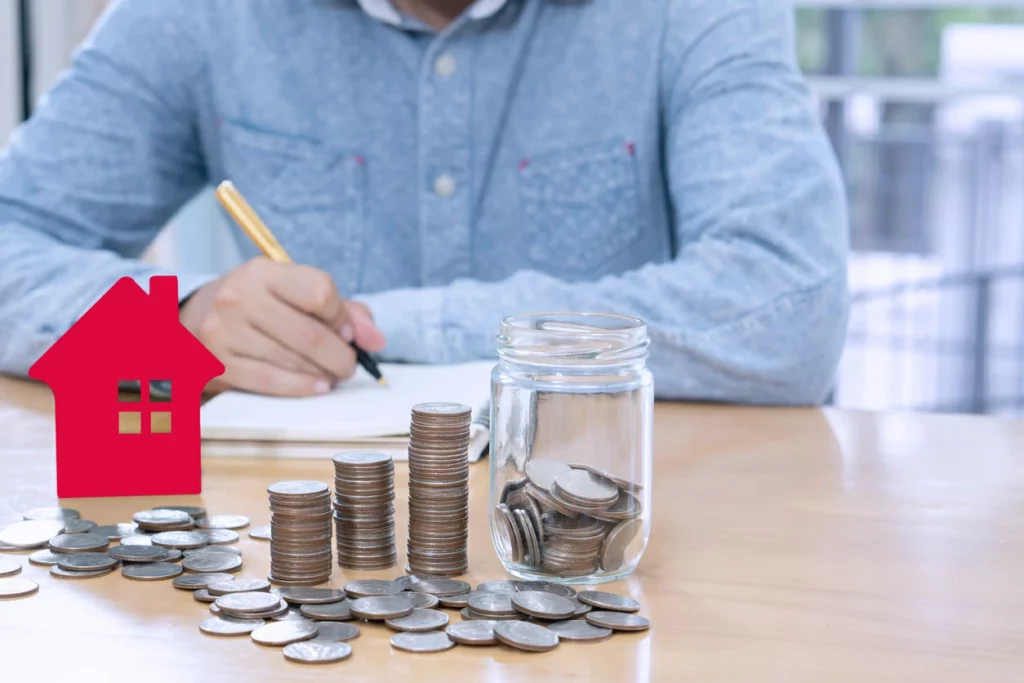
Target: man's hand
(280, 329)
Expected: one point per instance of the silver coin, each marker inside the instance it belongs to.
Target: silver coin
(581, 609)
(548, 587)
(45, 557)
(213, 549)
(458, 601)
(220, 536)
(173, 555)
(435, 585)
(419, 620)
(87, 562)
(203, 595)
(59, 514)
(190, 510)
(158, 518)
(139, 553)
(337, 631)
(229, 626)
(234, 585)
(476, 632)
(280, 633)
(182, 540)
(17, 588)
(363, 458)
(222, 522)
(203, 563)
(317, 651)
(492, 604)
(371, 587)
(469, 614)
(56, 571)
(9, 567)
(297, 488)
(194, 582)
(335, 611)
(431, 641)
(291, 613)
(137, 539)
(116, 531)
(608, 601)
(441, 408)
(542, 473)
(31, 534)
(261, 533)
(619, 621)
(275, 612)
(79, 543)
(303, 595)
(422, 600)
(526, 636)
(153, 571)
(505, 587)
(78, 526)
(247, 602)
(381, 607)
(585, 486)
(613, 549)
(579, 630)
(543, 605)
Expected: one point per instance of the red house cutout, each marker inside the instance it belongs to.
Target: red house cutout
(147, 446)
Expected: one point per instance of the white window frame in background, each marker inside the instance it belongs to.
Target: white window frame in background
(10, 78)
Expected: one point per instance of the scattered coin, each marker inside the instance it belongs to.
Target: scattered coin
(581, 608)
(86, 562)
(56, 571)
(203, 563)
(191, 510)
(247, 603)
(419, 620)
(431, 641)
(476, 632)
(280, 633)
(335, 611)
(153, 571)
(337, 631)
(117, 531)
(139, 553)
(229, 626)
(381, 607)
(303, 595)
(261, 533)
(203, 595)
(275, 612)
(609, 601)
(220, 536)
(9, 567)
(17, 588)
(542, 473)
(137, 539)
(182, 540)
(59, 514)
(619, 621)
(579, 630)
(44, 557)
(492, 604)
(543, 605)
(173, 555)
(31, 534)
(79, 543)
(506, 587)
(422, 600)
(213, 549)
(194, 582)
(317, 652)
(366, 588)
(222, 522)
(439, 586)
(458, 601)
(548, 587)
(291, 613)
(469, 614)
(526, 636)
(161, 520)
(234, 585)
(78, 526)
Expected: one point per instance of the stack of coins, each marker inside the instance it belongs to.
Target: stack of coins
(439, 489)
(568, 520)
(364, 511)
(300, 540)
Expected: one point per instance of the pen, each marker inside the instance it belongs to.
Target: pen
(240, 210)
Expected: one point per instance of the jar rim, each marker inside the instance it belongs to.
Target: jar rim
(574, 337)
(633, 322)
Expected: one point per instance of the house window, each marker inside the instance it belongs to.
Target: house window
(148, 412)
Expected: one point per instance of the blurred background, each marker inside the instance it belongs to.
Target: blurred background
(924, 103)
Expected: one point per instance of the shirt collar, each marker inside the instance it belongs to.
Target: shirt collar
(383, 10)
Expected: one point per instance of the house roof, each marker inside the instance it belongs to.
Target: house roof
(131, 333)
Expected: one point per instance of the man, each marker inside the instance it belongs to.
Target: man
(437, 165)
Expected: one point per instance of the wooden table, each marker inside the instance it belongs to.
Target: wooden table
(788, 545)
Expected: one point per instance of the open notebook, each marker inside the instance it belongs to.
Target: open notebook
(358, 414)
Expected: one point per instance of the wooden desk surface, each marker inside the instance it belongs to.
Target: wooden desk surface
(788, 545)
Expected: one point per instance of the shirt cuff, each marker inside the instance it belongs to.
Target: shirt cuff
(412, 321)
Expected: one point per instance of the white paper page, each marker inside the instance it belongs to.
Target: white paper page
(356, 409)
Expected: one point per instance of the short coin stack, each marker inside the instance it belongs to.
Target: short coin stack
(439, 489)
(300, 523)
(364, 510)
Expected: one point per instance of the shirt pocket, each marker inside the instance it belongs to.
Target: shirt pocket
(580, 206)
(311, 195)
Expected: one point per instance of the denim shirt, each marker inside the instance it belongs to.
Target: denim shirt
(655, 158)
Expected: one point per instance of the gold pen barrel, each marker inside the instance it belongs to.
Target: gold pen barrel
(243, 214)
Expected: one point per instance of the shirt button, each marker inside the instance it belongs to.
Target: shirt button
(444, 185)
(445, 65)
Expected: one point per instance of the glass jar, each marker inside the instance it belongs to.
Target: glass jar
(572, 404)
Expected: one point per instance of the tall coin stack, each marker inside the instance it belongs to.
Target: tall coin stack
(439, 489)
(364, 511)
(300, 533)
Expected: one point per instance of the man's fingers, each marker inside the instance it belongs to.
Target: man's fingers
(367, 334)
(264, 378)
(253, 343)
(306, 336)
(313, 292)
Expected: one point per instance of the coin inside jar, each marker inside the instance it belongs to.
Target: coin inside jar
(280, 633)
(476, 632)
(618, 621)
(526, 636)
(419, 620)
(542, 473)
(609, 601)
(543, 605)
(317, 652)
(431, 641)
(381, 607)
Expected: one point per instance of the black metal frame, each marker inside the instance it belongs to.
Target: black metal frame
(25, 57)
